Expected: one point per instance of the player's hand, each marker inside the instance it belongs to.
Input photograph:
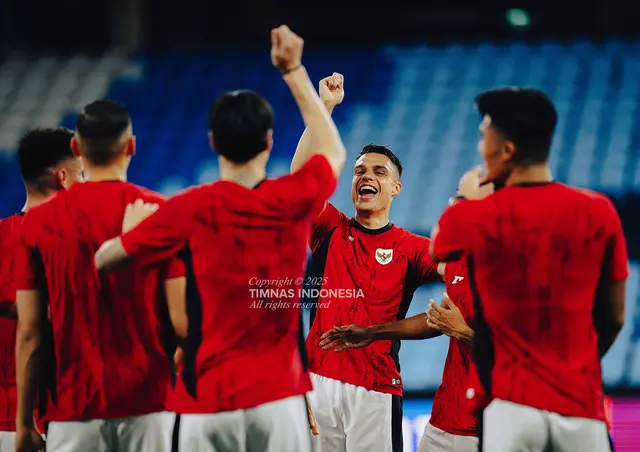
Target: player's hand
(343, 338)
(135, 212)
(313, 423)
(29, 440)
(332, 90)
(447, 318)
(473, 185)
(286, 48)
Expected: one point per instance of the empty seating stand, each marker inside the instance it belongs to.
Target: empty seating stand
(418, 100)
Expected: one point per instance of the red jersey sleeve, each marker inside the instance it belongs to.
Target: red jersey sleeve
(26, 274)
(162, 235)
(307, 190)
(617, 256)
(174, 268)
(454, 232)
(329, 219)
(422, 262)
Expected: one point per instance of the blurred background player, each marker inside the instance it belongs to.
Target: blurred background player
(108, 363)
(547, 264)
(357, 397)
(452, 424)
(244, 375)
(47, 166)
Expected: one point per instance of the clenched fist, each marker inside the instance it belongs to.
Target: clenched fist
(332, 90)
(286, 48)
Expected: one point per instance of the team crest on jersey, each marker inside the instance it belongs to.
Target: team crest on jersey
(384, 256)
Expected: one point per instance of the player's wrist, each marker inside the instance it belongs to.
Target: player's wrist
(329, 106)
(24, 422)
(292, 68)
(373, 331)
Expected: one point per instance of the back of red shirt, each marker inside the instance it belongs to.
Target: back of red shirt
(248, 255)
(451, 411)
(9, 237)
(537, 254)
(108, 357)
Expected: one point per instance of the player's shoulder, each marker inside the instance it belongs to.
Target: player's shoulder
(410, 239)
(10, 225)
(595, 200)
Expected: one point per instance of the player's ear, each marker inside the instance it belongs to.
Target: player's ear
(210, 139)
(131, 146)
(62, 178)
(508, 150)
(269, 140)
(397, 188)
(75, 147)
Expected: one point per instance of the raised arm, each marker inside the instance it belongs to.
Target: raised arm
(331, 94)
(286, 54)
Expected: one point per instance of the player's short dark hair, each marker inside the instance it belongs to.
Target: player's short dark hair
(39, 151)
(100, 126)
(239, 122)
(524, 116)
(383, 150)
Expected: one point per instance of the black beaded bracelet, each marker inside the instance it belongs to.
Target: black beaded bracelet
(295, 68)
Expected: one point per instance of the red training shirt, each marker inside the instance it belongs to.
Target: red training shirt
(451, 412)
(108, 354)
(243, 346)
(368, 278)
(536, 255)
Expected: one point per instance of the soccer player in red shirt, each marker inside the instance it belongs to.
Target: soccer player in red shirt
(106, 358)
(244, 377)
(547, 264)
(452, 426)
(47, 166)
(367, 270)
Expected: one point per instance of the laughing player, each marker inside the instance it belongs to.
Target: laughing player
(244, 377)
(547, 266)
(452, 426)
(107, 361)
(46, 166)
(357, 397)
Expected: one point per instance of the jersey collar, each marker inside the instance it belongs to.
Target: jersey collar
(533, 184)
(372, 231)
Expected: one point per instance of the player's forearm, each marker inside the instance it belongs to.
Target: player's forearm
(322, 132)
(110, 255)
(29, 365)
(305, 147)
(413, 328)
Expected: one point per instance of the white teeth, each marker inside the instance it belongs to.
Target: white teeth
(368, 189)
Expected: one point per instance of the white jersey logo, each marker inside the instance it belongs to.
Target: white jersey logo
(384, 256)
(457, 279)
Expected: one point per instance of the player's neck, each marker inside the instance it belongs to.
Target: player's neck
(247, 174)
(530, 174)
(373, 219)
(105, 173)
(34, 199)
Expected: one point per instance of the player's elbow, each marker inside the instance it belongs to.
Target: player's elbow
(27, 332)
